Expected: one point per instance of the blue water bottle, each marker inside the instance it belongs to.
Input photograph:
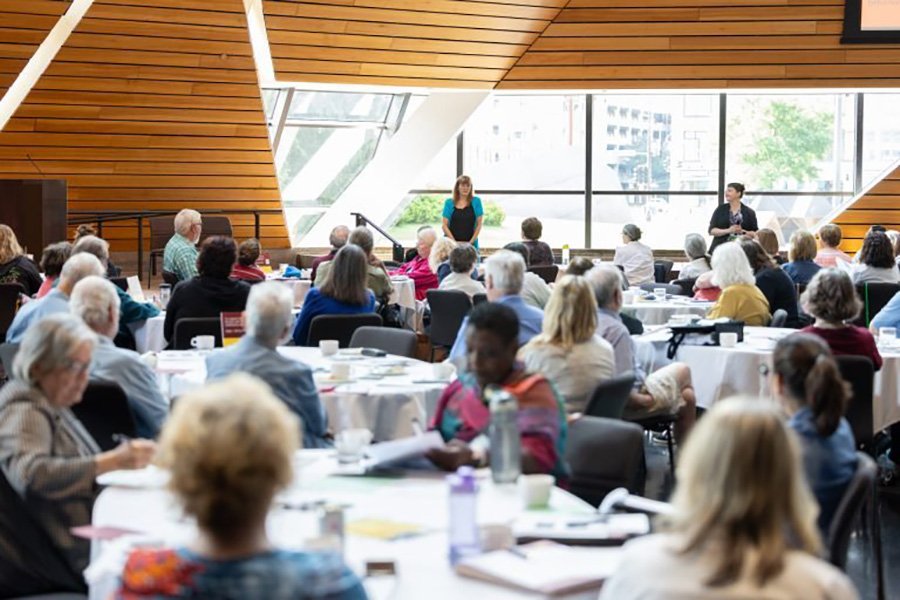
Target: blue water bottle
(506, 449)
(463, 526)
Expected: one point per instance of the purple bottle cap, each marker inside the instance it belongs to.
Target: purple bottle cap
(463, 480)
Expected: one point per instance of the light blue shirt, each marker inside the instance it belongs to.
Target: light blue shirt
(531, 321)
(291, 380)
(136, 379)
(889, 316)
(54, 302)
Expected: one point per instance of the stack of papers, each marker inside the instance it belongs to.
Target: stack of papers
(582, 530)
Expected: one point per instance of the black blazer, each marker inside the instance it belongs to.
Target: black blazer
(721, 219)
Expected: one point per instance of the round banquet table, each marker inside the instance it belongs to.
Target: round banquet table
(656, 312)
(392, 407)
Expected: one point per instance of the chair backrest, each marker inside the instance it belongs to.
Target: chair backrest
(448, 309)
(187, 328)
(859, 372)
(546, 272)
(401, 342)
(671, 288)
(661, 270)
(170, 278)
(779, 318)
(215, 225)
(161, 231)
(874, 297)
(859, 491)
(304, 261)
(7, 355)
(9, 304)
(120, 282)
(478, 299)
(340, 327)
(686, 285)
(104, 411)
(604, 454)
(30, 563)
(610, 396)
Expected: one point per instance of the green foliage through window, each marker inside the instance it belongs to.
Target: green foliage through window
(427, 210)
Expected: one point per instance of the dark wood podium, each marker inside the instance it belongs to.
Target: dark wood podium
(36, 209)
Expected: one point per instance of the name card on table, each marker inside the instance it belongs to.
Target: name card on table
(232, 327)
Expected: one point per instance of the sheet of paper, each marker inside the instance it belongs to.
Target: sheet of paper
(150, 477)
(410, 447)
(580, 528)
(135, 290)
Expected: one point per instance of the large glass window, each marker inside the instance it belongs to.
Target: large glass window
(881, 134)
(663, 219)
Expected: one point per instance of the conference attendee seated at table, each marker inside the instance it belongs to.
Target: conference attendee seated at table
(829, 254)
(535, 290)
(872, 229)
(418, 268)
(876, 261)
(462, 264)
(378, 279)
(345, 292)
(439, 259)
(15, 267)
(802, 254)
(568, 350)
(807, 382)
(180, 253)
(743, 524)
(269, 320)
(95, 301)
(52, 261)
(210, 293)
(504, 272)
(579, 265)
(772, 281)
(229, 448)
(831, 299)
(57, 300)
(46, 454)
(86, 230)
(768, 239)
(338, 239)
(540, 252)
(740, 299)
(245, 268)
(705, 288)
(695, 251)
(665, 391)
(463, 417)
(634, 257)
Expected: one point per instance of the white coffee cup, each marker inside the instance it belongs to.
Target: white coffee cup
(442, 370)
(329, 347)
(203, 342)
(728, 339)
(340, 370)
(350, 444)
(660, 293)
(534, 490)
(628, 297)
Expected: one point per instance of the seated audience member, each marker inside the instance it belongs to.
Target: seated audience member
(665, 391)
(95, 301)
(89, 230)
(52, 261)
(462, 263)
(568, 351)
(503, 274)
(210, 293)
(245, 268)
(768, 239)
(15, 267)
(378, 279)
(772, 281)
(418, 269)
(807, 382)
(829, 255)
(634, 257)
(344, 292)
(744, 519)
(695, 251)
(57, 300)
(705, 288)
(540, 252)
(463, 417)
(872, 229)
(535, 290)
(337, 239)
(230, 447)
(439, 259)
(180, 253)
(269, 321)
(831, 299)
(579, 265)
(46, 454)
(740, 299)
(802, 254)
(876, 261)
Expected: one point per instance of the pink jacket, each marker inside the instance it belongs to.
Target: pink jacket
(418, 270)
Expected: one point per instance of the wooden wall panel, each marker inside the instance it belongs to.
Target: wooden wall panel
(700, 44)
(150, 105)
(23, 26)
(878, 206)
(441, 43)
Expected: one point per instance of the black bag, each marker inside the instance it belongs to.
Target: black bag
(391, 315)
(710, 331)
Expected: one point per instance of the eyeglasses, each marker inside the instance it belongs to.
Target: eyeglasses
(77, 367)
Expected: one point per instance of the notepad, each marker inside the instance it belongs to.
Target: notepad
(383, 529)
(581, 530)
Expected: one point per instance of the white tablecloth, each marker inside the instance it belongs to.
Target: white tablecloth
(652, 312)
(718, 373)
(391, 407)
(422, 567)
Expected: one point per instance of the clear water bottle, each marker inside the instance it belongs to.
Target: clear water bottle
(506, 450)
(165, 292)
(463, 504)
(565, 255)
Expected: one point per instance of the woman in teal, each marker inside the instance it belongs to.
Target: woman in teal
(463, 213)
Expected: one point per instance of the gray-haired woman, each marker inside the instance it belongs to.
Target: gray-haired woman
(47, 456)
(695, 250)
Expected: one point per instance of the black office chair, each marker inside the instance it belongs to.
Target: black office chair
(546, 272)
(665, 425)
(339, 327)
(478, 299)
(7, 355)
(448, 309)
(609, 398)
(104, 411)
(604, 454)
(187, 328)
(170, 278)
(686, 285)
(661, 270)
(874, 296)
(401, 342)
(859, 372)
(120, 282)
(9, 304)
(860, 493)
(779, 318)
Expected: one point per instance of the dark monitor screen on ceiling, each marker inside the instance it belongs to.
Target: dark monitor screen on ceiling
(872, 22)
